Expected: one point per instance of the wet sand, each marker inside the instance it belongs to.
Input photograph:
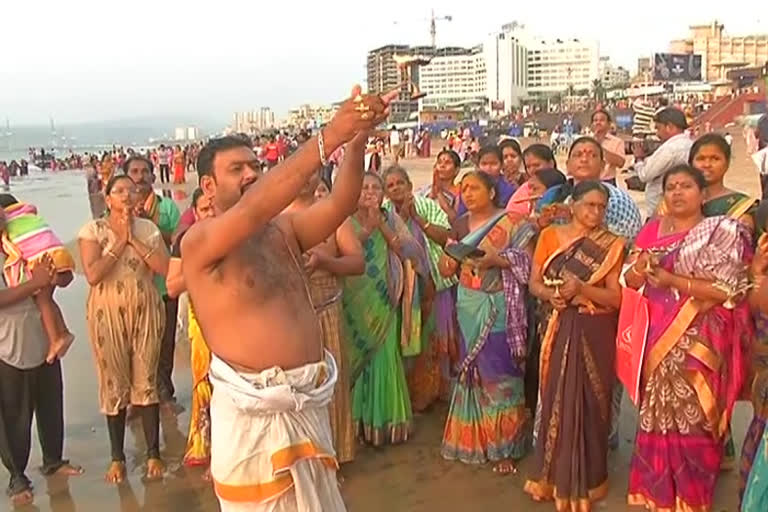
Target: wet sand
(409, 477)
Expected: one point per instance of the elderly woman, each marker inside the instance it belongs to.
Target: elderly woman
(372, 303)
(692, 271)
(432, 316)
(576, 270)
(120, 255)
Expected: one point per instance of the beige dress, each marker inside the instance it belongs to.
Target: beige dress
(126, 320)
(324, 288)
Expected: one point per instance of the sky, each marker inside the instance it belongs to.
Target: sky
(84, 60)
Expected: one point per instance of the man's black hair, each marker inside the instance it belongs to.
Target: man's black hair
(7, 200)
(214, 146)
(141, 158)
(673, 116)
(604, 112)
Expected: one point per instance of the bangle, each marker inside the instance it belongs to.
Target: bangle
(634, 271)
(321, 148)
(111, 253)
(148, 254)
(688, 286)
(426, 226)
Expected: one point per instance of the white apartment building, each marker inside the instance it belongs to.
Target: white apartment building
(554, 65)
(454, 81)
(253, 121)
(506, 67)
(310, 115)
(612, 76)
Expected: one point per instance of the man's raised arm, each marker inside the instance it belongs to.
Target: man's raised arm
(315, 224)
(211, 240)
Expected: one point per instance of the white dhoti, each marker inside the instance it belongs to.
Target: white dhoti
(271, 443)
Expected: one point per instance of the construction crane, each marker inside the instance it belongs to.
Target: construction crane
(433, 25)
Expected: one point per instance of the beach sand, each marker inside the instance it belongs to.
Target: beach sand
(409, 477)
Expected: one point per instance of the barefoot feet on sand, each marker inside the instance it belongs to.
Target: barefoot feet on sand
(22, 498)
(115, 473)
(69, 470)
(59, 348)
(505, 467)
(155, 469)
(171, 407)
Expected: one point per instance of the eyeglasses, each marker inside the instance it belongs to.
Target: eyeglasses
(121, 191)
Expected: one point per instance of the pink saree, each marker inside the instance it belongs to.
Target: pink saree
(694, 366)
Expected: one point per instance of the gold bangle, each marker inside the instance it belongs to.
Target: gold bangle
(111, 253)
(427, 225)
(149, 253)
(688, 286)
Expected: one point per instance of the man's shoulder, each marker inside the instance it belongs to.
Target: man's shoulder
(681, 139)
(619, 195)
(169, 204)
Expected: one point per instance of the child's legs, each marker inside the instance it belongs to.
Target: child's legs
(51, 315)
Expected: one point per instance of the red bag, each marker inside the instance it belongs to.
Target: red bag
(631, 338)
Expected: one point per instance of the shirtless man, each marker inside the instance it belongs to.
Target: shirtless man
(272, 383)
(341, 255)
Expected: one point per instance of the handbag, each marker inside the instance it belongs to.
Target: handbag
(631, 338)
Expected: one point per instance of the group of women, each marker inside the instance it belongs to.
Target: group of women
(475, 293)
(472, 287)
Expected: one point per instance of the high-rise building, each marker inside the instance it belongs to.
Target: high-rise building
(506, 66)
(265, 119)
(560, 65)
(610, 75)
(644, 67)
(455, 81)
(384, 75)
(310, 116)
(721, 52)
(251, 122)
(509, 66)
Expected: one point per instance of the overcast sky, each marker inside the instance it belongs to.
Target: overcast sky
(84, 60)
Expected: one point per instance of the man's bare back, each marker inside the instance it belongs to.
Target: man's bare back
(257, 313)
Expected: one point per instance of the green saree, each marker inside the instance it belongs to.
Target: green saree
(381, 406)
